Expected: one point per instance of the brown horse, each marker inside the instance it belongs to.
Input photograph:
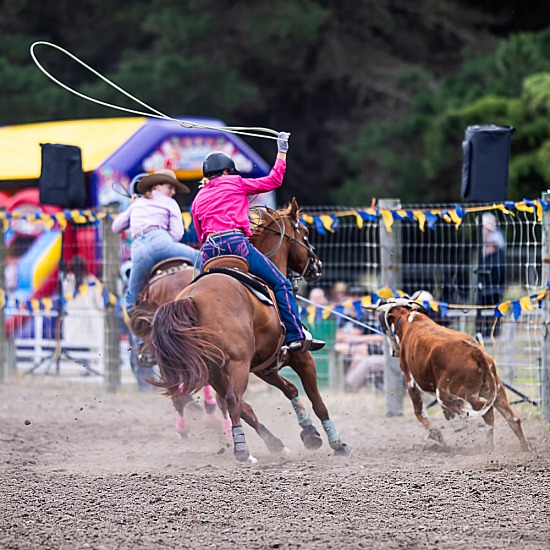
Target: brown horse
(217, 332)
(166, 281)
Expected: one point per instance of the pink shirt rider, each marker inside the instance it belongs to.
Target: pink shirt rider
(225, 200)
(158, 210)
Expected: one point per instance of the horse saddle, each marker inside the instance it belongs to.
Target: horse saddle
(237, 267)
(167, 267)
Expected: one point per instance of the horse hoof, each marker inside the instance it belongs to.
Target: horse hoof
(343, 450)
(252, 459)
(437, 436)
(276, 446)
(183, 435)
(241, 452)
(210, 408)
(242, 456)
(311, 438)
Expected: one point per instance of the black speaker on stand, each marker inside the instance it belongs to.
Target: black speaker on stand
(486, 156)
(62, 183)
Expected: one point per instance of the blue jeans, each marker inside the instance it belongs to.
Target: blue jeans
(148, 250)
(264, 268)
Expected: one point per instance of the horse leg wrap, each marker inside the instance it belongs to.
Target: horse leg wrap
(240, 448)
(209, 399)
(333, 436)
(303, 416)
(182, 425)
(226, 426)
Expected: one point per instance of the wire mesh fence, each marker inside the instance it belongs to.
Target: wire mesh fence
(437, 248)
(437, 254)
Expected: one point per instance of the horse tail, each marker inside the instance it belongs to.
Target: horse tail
(141, 318)
(183, 350)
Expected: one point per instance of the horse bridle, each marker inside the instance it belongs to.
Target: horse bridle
(313, 268)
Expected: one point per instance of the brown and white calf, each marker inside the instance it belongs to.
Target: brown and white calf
(449, 363)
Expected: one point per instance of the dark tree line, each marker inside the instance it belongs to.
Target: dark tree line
(376, 93)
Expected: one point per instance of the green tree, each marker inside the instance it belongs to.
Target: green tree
(419, 157)
(358, 84)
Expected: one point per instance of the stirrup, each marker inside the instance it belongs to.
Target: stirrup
(305, 345)
(313, 344)
(316, 344)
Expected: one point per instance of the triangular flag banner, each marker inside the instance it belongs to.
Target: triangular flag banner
(503, 307)
(385, 293)
(387, 218)
(421, 218)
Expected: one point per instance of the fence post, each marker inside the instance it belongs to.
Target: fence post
(545, 344)
(111, 266)
(390, 276)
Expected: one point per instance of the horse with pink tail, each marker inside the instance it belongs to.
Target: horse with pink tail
(166, 281)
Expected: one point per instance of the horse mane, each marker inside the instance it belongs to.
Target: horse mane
(183, 350)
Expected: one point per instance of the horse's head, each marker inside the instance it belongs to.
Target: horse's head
(283, 238)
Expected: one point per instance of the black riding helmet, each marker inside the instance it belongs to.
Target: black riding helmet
(215, 163)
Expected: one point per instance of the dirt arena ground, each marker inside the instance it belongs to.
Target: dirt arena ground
(82, 468)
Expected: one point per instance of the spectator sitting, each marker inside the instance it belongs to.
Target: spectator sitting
(367, 362)
(361, 349)
(318, 297)
(338, 297)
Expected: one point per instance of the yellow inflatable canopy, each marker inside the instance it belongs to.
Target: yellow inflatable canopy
(21, 155)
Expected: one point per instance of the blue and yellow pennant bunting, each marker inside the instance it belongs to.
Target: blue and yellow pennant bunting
(526, 303)
(327, 222)
(46, 304)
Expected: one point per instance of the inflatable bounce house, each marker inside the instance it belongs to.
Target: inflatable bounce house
(113, 150)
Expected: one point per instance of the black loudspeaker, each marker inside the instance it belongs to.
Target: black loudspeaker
(486, 150)
(62, 182)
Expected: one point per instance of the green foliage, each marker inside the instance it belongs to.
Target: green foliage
(376, 95)
(518, 57)
(543, 161)
(505, 89)
(536, 93)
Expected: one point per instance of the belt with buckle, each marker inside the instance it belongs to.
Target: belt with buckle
(225, 233)
(148, 229)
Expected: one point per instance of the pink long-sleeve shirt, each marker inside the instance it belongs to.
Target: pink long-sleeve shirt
(222, 203)
(158, 210)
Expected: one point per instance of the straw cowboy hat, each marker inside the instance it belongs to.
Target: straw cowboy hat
(158, 178)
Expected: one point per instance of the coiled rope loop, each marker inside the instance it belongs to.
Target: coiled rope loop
(266, 133)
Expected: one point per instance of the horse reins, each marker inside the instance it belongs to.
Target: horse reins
(281, 231)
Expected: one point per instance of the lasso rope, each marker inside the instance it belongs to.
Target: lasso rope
(266, 133)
